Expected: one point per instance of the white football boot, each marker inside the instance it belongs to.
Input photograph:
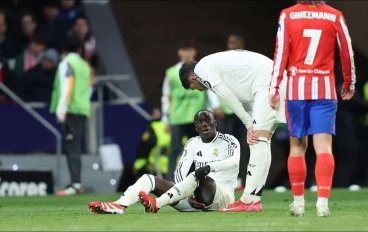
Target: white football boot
(323, 211)
(296, 210)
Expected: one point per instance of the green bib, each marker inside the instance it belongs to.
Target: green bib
(365, 92)
(80, 99)
(184, 103)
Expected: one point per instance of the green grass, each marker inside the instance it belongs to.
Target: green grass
(349, 212)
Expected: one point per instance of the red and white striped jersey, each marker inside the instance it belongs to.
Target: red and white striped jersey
(305, 46)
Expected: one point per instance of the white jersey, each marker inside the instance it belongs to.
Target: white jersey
(237, 76)
(222, 154)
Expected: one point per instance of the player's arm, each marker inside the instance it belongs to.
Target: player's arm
(66, 76)
(232, 158)
(186, 162)
(233, 103)
(165, 100)
(281, 56)
(346, 54)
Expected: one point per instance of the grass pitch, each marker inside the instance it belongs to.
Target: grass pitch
(349, 212)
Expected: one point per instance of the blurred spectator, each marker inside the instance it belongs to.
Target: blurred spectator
(54, 30)
(6, 75)
(29, 58)
(68, 12)
(28, 30)
(6, 45)
(37, 83)
(81, 29)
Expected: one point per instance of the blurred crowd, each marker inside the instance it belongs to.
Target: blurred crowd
(31, 41)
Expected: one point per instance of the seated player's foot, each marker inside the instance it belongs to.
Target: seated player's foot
(257, 207)
(296, 210)
(70, 190)
(323, 211)
(148, 202)
(99, 207)
(238, 206)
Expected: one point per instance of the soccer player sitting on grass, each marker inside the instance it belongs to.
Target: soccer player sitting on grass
(205, 178)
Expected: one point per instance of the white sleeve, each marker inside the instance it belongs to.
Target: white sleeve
(213, 100)
(233, 103)
(207, 74)
(65, 73)
(232, 158)
(165, 100)
(185, 163)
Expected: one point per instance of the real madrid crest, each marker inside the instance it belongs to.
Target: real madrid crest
(215, 152)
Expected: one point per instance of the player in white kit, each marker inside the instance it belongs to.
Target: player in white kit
(205, 178)
(241, 79)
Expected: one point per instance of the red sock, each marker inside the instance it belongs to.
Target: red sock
(297, 174)
(325, 167)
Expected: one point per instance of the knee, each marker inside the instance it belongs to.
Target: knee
(205, 192)
(298, 147)
(322, 143)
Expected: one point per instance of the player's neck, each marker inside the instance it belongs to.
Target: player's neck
(209, 140)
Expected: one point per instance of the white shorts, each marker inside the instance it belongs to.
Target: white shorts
(264, 117)
(223, 197)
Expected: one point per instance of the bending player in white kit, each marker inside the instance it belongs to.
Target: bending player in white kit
(215, 159)
(241, 79)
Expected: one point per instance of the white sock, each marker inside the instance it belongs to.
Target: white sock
(180, 191)
(77, 185)
(256, 167)
(265, 173)
(299, 200)
(322, 201)
(146, 184)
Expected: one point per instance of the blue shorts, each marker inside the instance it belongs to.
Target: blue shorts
(308, 117)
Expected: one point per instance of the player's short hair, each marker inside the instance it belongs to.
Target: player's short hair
(186, 44)
(185, 71)
(72, 43)
(205, 110)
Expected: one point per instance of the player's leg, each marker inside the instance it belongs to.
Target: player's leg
(264, 118)
(205, 193)
(178, 192)
(322, 114)
(297, 119)
(146, 183)
(73, 126)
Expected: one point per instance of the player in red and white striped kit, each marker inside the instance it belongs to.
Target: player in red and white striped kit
(308, 33)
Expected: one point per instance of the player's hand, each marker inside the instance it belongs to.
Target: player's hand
(219, 113)
(195, 204)
(347, 94)
(251, 138)
(60, 117)
(167, 128)
(202, 172)
(275, 101)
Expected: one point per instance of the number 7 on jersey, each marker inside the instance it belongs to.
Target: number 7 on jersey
(315, 35)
